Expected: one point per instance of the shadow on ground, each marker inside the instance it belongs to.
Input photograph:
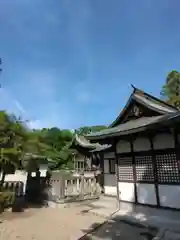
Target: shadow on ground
(118, 229)
(9, 215)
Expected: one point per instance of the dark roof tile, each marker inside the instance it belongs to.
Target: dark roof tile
(133, 126)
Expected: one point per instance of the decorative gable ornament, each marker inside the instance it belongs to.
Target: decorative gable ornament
(136, 111)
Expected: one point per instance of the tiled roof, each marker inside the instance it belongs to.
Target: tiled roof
(93, 147)
(154, 104)
(133, 126)
(83, 142)
(148, 101)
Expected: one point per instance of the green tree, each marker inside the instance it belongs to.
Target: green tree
(11, 139)
(18, 143)
(87, 130)
(53, 144)
(171, 89)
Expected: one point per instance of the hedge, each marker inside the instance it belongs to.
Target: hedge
(6, 199)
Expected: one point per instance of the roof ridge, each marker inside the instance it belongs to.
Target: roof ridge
(137, 90)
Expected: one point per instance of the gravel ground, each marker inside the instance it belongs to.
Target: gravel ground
(47, 223)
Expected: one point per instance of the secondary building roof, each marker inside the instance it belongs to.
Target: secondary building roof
(91, 147)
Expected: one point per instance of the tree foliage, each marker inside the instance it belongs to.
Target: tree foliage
(171, 89)
(87, 130)
(17, 143)
(11, 141)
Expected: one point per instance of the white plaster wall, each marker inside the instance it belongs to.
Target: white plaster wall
(123, 147)
(126, 191)
(18, 176)
(106, 166)
(146, 193)
(109, 155)
(169, 196)
(43, 170)
(163, 140)
(141, 144)
(110, 187)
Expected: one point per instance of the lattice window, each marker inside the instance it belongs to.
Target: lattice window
(144, 168)
(167, 168)
(125, 169)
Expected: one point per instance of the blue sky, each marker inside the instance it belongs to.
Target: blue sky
(70, 63)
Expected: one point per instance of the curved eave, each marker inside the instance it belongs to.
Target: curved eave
(138, 125)
(101, 148)
(92, 147)
(81, 141)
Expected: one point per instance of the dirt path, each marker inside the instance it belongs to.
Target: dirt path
(47, 223)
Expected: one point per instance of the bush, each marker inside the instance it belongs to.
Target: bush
(6, 199)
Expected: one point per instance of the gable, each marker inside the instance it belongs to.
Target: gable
(137, 110)
(141, 104)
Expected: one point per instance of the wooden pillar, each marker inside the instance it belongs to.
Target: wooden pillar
(117, 172)
(134, 170)
(101, 154)
(82, 187)
(83, 163)
(177, 148)
(155, 171)
(102, 169)
(62, 187)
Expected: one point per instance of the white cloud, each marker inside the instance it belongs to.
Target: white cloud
(36, 124)
(39, 91)
(10, 104)
(19, 106)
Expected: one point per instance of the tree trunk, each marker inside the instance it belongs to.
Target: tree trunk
(2, 179)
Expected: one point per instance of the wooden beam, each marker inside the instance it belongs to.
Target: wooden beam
(102, 167)
(154, 171)
(117, 172)
(134, 170)
(177, 147)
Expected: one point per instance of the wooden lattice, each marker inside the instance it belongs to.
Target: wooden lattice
(144, 168)
(125, 169)
(167, 168)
